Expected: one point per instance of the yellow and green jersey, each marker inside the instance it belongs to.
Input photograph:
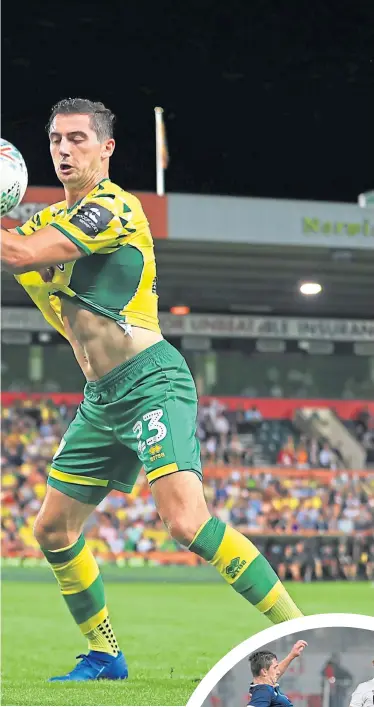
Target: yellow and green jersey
(118, 279)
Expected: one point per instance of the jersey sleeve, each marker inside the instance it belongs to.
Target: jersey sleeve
(99, 225)
(357, 699)
(37, 221)
(260, 696)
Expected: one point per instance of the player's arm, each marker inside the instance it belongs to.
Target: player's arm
(294, 653)
(260, 697)
(46, 247)
(64, 238)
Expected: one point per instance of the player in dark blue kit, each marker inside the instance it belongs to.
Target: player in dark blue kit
(264, 690)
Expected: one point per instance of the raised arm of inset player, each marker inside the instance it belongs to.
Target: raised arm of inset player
(294, 653)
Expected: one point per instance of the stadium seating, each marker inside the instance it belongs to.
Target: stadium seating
(265, 481)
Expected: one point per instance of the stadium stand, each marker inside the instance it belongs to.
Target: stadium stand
(312, 517)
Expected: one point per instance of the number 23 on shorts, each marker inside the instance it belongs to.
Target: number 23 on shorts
(149, 448)
(166, 441)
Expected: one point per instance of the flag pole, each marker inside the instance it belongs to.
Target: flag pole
(160, 178)
(366, 200)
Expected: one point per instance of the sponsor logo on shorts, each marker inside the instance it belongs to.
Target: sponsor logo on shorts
(156, 453)
(235, 567)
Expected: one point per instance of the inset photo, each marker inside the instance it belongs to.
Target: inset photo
(327, 666)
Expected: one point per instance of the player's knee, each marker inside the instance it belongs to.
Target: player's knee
(43, 531)
(50, 534)
(183, 528)
(40, 531)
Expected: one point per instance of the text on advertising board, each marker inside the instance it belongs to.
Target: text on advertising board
(316, 225)
(268, 327)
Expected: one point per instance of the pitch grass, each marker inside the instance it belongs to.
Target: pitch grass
(171, 633)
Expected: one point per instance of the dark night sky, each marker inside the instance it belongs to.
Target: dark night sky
(261, 98)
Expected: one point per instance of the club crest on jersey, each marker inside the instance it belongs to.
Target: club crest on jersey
(91, 219)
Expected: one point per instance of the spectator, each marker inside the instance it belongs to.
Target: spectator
(326, 457)
(367, 561)
(108, 529)
(362, 422)
(302, 457)
(285, 562)
(286, 455)
(347, 566)
(242, 425)
(221, 429)
(145, 545)
(235, 452)
(329, 561)
(314, 452)
(368, 444)
(211, 450)
(302, 565)
(253, 417)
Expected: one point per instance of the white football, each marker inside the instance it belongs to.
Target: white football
(13, 177)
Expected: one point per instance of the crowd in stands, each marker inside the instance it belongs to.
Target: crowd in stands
(363, 426)
(244, 437)
(268, 503)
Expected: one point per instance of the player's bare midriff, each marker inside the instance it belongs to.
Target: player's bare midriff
(99, 343)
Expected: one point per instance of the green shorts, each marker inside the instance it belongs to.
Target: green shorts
(141, 414)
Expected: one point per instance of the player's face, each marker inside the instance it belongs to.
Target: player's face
(273, 672)
(76, 152)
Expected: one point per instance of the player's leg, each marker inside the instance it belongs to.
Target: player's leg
(58, 530)
(60, 520)
(76, 484)
(181, 504)
(155, 416)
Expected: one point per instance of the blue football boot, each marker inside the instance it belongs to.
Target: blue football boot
(96, 666)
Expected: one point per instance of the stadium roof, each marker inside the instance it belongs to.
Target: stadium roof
(254, 279)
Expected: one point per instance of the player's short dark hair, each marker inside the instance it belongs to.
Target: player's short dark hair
(102, 119)
(261, 660)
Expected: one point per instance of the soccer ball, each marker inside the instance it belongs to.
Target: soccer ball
(13, 177)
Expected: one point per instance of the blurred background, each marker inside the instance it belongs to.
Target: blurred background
(268, 126)
(336, 660)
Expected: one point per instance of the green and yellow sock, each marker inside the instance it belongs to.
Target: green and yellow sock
(81, 584)
(241, 564)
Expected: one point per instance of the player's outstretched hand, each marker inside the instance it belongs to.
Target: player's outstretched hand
(298, 648)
